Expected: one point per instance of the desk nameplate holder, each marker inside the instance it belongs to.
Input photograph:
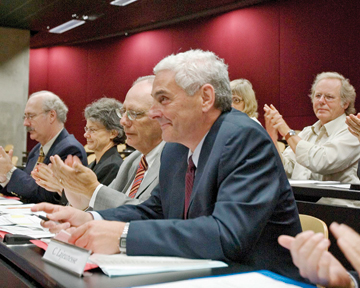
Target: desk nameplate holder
(66, 256)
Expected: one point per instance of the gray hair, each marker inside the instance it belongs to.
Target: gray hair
(53, 102)
(347, 91)
(149, 78)
(104, 112)
(243, 88)
(195, 68)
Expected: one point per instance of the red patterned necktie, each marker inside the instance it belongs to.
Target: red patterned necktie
(189, 182)
(143, 166)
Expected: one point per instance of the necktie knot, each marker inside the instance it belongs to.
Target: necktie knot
(41, 157)
(144, 163)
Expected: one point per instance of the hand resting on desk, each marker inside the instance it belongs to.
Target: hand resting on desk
(309, 253)
(98, 236)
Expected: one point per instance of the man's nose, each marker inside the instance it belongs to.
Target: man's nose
(154, 111)
(125, 121)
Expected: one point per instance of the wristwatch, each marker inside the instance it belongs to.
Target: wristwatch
(289, 134)
(122, 243)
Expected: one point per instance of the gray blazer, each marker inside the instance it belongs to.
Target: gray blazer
(114, 195)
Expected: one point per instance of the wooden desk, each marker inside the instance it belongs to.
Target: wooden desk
(306, 196)
(22, 266)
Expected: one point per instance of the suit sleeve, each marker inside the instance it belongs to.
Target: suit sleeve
(245, 199)
(22, 184)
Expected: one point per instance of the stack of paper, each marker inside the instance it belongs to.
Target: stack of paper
(121, 264)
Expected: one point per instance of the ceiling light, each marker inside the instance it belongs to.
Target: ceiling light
(67, 26)
(122, 2)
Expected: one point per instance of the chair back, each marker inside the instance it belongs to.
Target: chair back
(315, 224)
(281, 146)
(91, 158)
(8, 147)
(14, 160)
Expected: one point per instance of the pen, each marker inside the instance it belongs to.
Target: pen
(41, 217)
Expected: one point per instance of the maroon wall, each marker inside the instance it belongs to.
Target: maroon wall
(279, 47)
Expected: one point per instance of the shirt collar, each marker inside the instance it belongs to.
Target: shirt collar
(196, 154)
(331, 126)
(48, 145)
(151, 156)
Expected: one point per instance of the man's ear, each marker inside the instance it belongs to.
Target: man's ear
(53, 116)
(345, 106)
(208, 97)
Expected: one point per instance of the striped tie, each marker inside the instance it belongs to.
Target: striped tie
(143, 166)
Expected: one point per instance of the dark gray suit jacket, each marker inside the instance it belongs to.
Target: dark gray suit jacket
(240, 204)
(114, 195)
(23, 185)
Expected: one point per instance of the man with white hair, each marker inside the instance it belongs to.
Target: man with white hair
(325, 151)
(222, 194)
(44, 118)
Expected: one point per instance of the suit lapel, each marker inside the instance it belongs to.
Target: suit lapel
(150, 177)
(132, 172)
(205, 153)
(61, 136)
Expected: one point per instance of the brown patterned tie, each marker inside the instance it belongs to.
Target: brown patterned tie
(143, 166)
(41, 156)
(189, 182)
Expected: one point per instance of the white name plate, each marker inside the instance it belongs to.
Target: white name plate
(67, 256)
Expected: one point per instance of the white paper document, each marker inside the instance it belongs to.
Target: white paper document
(246, 280)
(121, 264)
(6, 201)
(25, 224)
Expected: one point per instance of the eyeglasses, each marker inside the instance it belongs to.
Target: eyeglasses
(92, 130)
(236, 100)
(131, 114)
(327, 98)
(32, 116)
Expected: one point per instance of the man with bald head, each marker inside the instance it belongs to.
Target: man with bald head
(81, 186)
(44, 118)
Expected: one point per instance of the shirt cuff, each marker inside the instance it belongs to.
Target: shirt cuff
(93, 197)
(96, 215)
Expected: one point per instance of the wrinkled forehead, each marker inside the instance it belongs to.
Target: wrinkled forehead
(328, 86)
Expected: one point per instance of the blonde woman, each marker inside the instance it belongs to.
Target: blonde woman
(243, 98)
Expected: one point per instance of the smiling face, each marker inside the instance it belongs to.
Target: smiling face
(97, 137)
(142, 133)
(327, 101)
(176, 111)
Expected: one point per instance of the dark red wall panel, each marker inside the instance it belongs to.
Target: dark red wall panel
(279, 46)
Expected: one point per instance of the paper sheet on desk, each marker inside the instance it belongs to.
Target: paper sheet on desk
(9, 201)
(24, 224)
(16, 209)
(122, 265)
(245, 280)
